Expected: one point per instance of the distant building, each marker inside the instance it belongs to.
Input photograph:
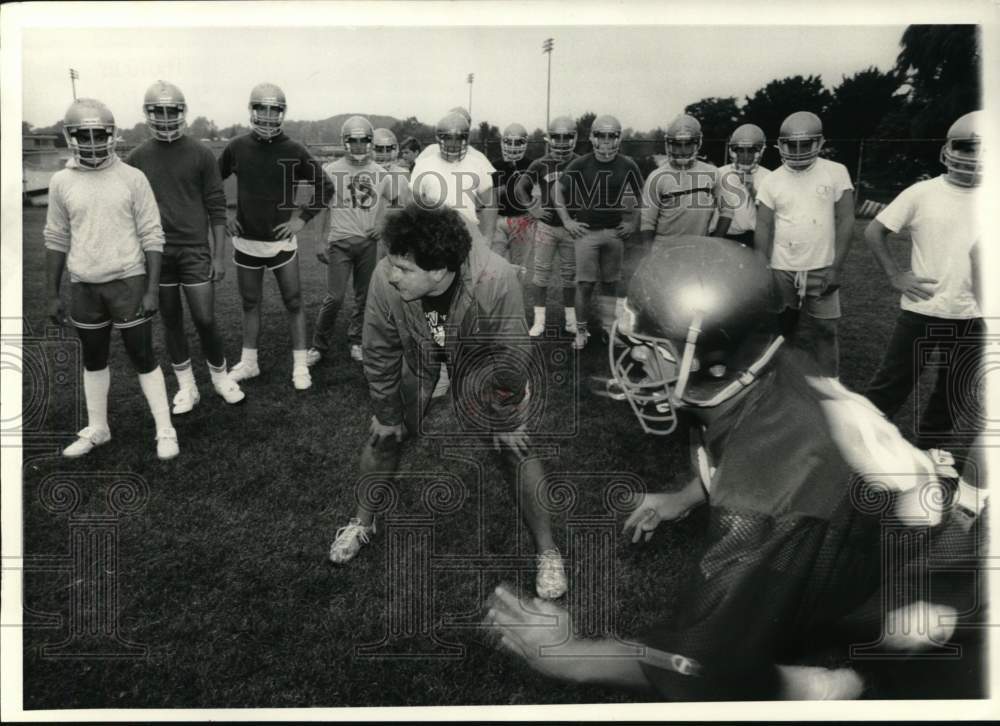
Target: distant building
(40, 159)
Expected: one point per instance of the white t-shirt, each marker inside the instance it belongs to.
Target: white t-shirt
(941, 220)
(358, 193)
(803, 205)
(745, 214)
(685, 201)
(452, 183)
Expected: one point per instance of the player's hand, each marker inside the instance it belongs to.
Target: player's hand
(516, 441)
(831, 281)
(288, 229)
(526, 626)
(576, 229)
(653, 509)
(321, 256)
(915, 288)
(218, 269)
(381, 432)
(150, 303)
(625, 230)
(233, 227)
(54, 311)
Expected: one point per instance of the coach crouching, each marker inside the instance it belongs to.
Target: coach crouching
(441, 295)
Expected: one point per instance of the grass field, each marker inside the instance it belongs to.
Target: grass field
(222, 571)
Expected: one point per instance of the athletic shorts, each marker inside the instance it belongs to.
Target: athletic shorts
(95, 305)
(252, 262)
(599, 256)
(186, 265)
(800, 291)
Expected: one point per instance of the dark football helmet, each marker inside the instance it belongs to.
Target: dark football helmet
(695, 330)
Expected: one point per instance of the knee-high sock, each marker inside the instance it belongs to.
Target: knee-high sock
(155, 390)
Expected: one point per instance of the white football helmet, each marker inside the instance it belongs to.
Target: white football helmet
(386, 147)
(683, 141)
(91, 133)
(562, 137)
(800, 140)
(165, 109)
(267, 110)
(746, 146)
(962, 153)
(514, 142)
(606, 137)
(453, 137)
(358, 135)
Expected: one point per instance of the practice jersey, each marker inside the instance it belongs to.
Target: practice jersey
(505, 181)
(804, 221)
(941, 220)
(358, 194)
(542, 175)
(595, 191)
(746, 184)
(461, 185)
(684, 201)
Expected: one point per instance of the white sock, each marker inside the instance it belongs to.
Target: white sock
(619, 307)
(570, 316)
(249, 356)
(298, 359)
(185, 374)
(155, 389)
(95, 390)
(217, 374)
(539, 318)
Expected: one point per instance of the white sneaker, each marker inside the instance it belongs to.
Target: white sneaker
(301, 379)
(229, 389)
(919, 626)
(537, 329)
(185, 399)
(166, 444)
(357, 354)
(348, 541)
(582, 336)
(443, 383)
(242, 371)
(313, 356)
(570, 327)
(87, 439)
(550, 581)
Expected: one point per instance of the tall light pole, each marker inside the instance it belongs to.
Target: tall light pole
(73, 76)
(547, 48)
(470, 79)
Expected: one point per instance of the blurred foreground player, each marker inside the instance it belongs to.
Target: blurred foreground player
(790, 464)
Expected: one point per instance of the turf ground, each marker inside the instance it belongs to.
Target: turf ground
(221, 566)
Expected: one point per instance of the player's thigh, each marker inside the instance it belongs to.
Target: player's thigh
(249, 276)
(287, 276)
(784, 293)
(87, 310)
(612, 253)
(123, 299)
(588, 257)
(820, 307)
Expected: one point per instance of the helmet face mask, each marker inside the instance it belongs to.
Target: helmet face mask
(800, 140)
(453, 137)
(514, 142)
(385, 148)
(606, 137)
(962, 154)
(358, 136)
(267, 110)
(165, 110)
(746, 146)
(683, 141)
(90, 132)
(561, 138)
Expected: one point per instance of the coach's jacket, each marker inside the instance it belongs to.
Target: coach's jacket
(485, 345)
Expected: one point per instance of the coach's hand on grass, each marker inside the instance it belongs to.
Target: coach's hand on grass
(288, 229)
(233, 227)
(381, 432)
(915, 288)
(653, 509)
(576, 229)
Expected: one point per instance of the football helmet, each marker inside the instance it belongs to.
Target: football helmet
(606, 137)
(453, 137)
(800, 140)
(267, 110)
(461, 111)
(695, 327)
(514, 142)
(962, 153)
(562, 137)
(91, 133)
(683, 141)
(746, 146)
(357, 135)
(165, 108)
(385, 146)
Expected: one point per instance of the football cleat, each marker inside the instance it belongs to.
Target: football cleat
(550, 581)
(301, 378)
(348, 540)
(166, 444)
(228, 389)
(185, 399)
(357, 354)
(244, 371)
(313, 356)
(582, 336)
(87, 439)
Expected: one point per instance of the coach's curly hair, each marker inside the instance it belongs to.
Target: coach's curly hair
(436, 238)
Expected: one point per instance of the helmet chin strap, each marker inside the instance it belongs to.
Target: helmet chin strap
(687, 357)
(745, 379)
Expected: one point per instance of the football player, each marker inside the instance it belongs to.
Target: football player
(746, 145)
(268, 165)
(185, 179)
(386, 154)
(103, 225)
(938, 289)
(351, 248)
(597, 200)
(805, 216)
(438, 290)
(788, 462)
(551, 238)
(684, 195)
(515, 227)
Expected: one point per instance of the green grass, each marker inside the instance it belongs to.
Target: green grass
(223, 573)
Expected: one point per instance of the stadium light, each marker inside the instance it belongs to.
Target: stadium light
(547, 48)
(73, 76)
(470, 79)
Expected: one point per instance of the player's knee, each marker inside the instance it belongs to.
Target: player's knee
(251, 303)
(95, 348)
(138, 342)
(293, 302)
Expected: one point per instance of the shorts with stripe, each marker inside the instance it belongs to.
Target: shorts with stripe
(252, 262)
(95, 305)
(186, 265)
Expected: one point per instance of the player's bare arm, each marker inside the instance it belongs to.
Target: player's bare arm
(904, 281)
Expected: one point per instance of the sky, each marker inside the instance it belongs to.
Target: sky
(643, 74)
